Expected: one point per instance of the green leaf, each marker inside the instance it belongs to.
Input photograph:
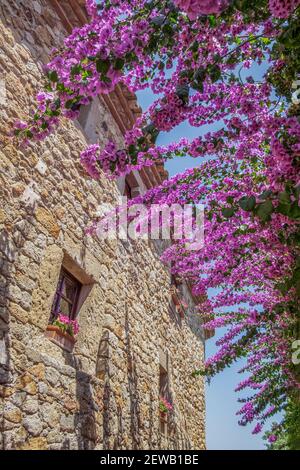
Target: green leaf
(61, 87)
(229, 199)
(283, 287)
(284, 205)
(212, 20)
(247, 203)
(76, 69)
(290, 38)
(214, 72)
(200, 74)
(69, 104)
(266, 41)
(131, 149)
(195, 373)
(49, 112)
(265, 210)
(195, 46)
(296, 276)
(228, 212)
(141, 140)
(105, 79)
(134, 159)
(197, 86)
(57, 102)
(85, 74)
(284, 197)
(119, 64)
(294, 212)
(231, 60)
(182, 92)
(167, 29)
(53, 77)
(113, 166)
(283, 208)
(237, 40)
(102, 66)
(297, 191)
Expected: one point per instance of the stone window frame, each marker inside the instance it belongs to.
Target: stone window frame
(86, 282)
(64, 276)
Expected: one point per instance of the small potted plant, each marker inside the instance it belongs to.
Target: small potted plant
(62, 331)
(164, 406)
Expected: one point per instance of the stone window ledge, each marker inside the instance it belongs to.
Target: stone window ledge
(57, 336)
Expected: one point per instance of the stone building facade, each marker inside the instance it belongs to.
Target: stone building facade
(136, 341)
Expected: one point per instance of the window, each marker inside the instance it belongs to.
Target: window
(131, 187)
(163, 387)
(127, 190)
(90, 119)
(164, 392)
(72, 289)
(66, 296)
(163, 382)
(176, 307)
(84, 114)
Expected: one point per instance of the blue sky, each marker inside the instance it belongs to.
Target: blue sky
(222, 429)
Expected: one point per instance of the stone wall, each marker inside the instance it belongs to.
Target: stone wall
(105, 393)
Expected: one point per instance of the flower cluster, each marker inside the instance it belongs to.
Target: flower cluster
(171, 112)
(90, 63)
(66, 324)
(195, 8)
(45, 119)
(89, 159)
(109, 160)
(283, 8)
(91, 8)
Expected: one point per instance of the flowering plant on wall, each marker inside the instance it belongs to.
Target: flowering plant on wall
(66, 324)
(164, 405)
(196, 56)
